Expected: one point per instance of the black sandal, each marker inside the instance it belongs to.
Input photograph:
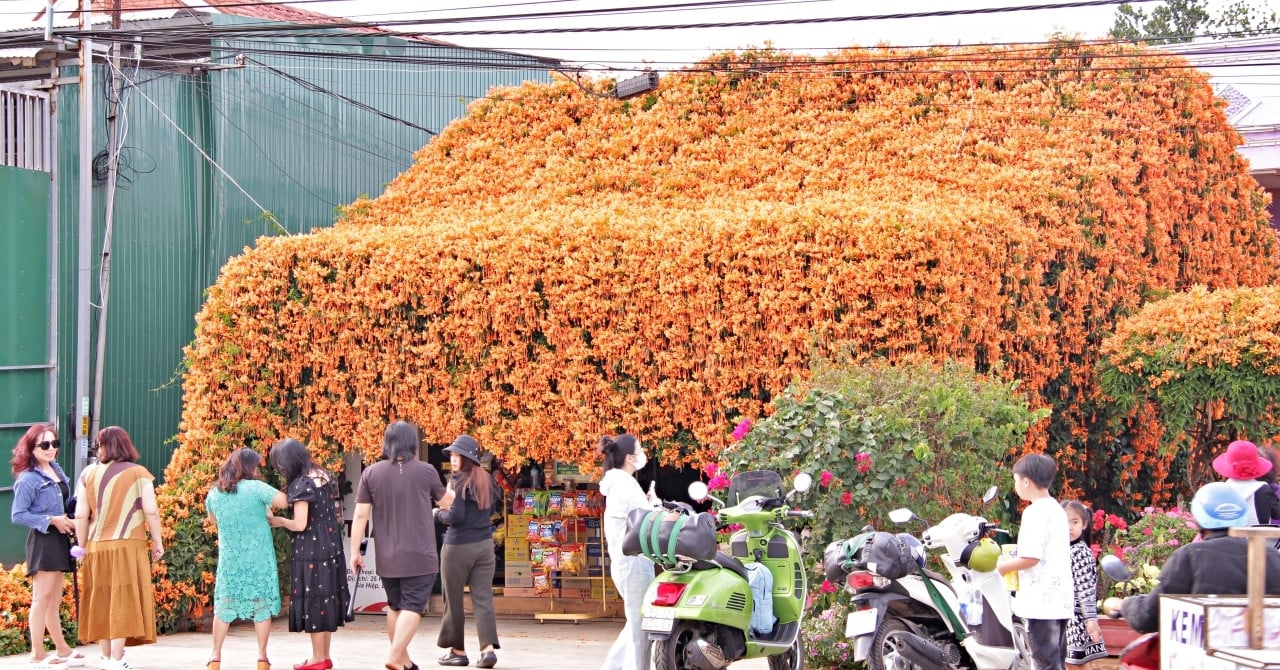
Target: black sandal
(457, 660)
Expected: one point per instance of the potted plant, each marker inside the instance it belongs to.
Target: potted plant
(1144, 546)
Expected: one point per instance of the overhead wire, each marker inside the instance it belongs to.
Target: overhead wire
(276, 28)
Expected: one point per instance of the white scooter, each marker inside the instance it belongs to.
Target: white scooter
(925, 621)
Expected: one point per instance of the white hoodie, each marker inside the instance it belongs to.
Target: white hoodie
(622, 494)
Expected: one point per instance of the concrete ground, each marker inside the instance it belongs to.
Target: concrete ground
(362, 645)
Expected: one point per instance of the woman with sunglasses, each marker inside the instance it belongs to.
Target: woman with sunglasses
(40, 493)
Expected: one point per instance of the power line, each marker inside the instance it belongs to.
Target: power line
(294, 27)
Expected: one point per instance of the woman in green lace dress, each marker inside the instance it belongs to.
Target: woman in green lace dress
(247, 586)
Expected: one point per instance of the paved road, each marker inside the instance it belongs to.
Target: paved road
(362, 645)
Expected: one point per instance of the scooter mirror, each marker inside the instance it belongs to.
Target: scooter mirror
(698, 491)
(1115, 568)
(802, 482)
(901, 515)
(990, 494)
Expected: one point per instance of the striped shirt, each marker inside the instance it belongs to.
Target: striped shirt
(114, 493)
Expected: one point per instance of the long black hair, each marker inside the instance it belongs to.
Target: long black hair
(616, 449)
(400, 443)
(291, 459)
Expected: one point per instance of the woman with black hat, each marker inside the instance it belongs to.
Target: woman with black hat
(467, 557)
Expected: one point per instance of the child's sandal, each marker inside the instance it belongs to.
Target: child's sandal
(264, 664)
(213, 664)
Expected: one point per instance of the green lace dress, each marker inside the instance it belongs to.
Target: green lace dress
(247, 586)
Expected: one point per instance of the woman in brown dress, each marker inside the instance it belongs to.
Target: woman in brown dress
(113, 518)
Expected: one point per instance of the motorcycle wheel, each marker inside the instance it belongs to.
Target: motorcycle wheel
(669, 654)
(885, 646)
(791, 659)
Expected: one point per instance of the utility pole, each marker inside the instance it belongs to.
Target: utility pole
(84, 239)
(113, 171)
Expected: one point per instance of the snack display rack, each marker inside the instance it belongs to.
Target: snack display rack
(555, 549)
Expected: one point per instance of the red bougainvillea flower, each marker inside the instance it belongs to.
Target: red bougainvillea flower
(828, 587)
(1116, 521)
(846, 498)
(711, 469)
(718, 482)
(742, 429)
(825, 478)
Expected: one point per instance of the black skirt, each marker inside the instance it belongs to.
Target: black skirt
(48, 552)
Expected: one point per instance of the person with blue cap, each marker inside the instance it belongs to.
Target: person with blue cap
(1215, 565)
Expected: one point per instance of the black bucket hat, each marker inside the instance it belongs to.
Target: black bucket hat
(466, 447)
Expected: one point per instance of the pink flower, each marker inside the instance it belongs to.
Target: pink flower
(861, 456)
(1146, 531)
(846, 498)
(742, 429)
(1173, 542)
(718, 482)
(711, 469)
(828, 587)
(825, 478)
(864, 467)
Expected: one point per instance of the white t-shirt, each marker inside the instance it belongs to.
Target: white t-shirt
(1246, 488)
(622, 494)
(1046, 590)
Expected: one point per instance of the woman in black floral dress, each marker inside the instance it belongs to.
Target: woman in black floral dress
(318, 595)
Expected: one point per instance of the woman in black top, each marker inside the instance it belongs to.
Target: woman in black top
(318, 595)
(467, 556)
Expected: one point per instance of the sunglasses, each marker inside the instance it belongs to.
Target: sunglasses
(53, 444)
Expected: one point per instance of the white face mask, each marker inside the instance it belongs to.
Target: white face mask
(641, 459)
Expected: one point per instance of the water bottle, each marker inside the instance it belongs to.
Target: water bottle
(971, 609)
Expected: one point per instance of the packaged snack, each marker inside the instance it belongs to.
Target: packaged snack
(541, 583)
(555, 503)
(534, 531)
(582, 505)
(547, 531)
(536, 553)
(569, 506)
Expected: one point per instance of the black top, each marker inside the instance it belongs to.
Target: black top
(1267, 504)
(322, 538)
(466, 522)
(1217, 565)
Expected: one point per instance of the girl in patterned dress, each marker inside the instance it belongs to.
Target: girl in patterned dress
(318, 595)
(1084, 636)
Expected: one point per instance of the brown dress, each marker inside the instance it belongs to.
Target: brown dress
(117, 599)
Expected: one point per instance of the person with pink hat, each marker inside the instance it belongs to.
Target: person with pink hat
(1243, 466)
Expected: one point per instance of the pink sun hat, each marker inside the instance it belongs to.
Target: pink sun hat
(1241, 461)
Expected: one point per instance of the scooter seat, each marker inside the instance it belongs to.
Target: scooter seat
(940, 579)
(722, 560)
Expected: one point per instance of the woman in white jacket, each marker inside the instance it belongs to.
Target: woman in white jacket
(623, 456)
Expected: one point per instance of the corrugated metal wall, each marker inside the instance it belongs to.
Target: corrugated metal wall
(25, 268)
(298, 152)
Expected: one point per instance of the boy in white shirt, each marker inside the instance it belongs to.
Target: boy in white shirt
(1046, 592)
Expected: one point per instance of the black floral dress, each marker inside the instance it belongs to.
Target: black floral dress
(318, 595)
(1081, 647)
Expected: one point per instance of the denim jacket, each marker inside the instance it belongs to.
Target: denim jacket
(36, 498)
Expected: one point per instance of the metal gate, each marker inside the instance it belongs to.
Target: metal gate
(28, 266)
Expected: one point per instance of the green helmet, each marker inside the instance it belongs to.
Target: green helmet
(981, 555)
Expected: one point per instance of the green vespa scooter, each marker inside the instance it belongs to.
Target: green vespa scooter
(702, 615)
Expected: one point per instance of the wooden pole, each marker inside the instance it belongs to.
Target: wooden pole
(1259, 537)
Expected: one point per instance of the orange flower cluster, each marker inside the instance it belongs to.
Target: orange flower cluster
(1195, 369)
(559, 264)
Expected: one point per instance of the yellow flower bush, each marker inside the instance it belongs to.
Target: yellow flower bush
(559, 264)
